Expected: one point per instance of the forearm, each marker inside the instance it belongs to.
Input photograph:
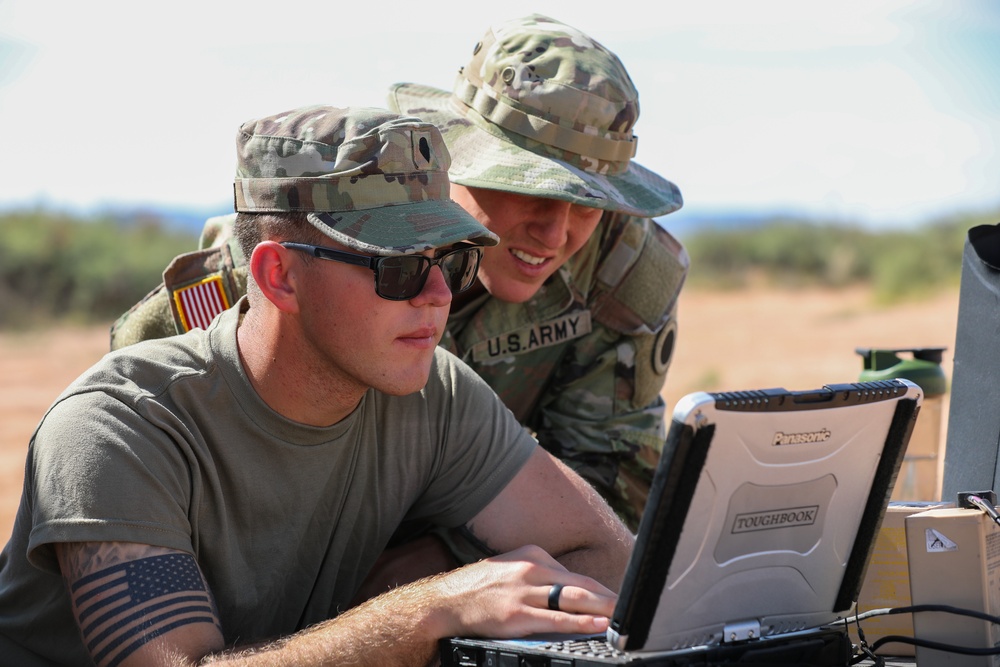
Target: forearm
(504, 596)
(550, 506)
(400, 627)
(603, 560)
(586, 561)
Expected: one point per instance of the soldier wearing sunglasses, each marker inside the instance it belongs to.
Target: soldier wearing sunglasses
(572, 319)
(219, 496)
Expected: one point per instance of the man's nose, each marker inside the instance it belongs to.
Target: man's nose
(551, 223)
(435, 292)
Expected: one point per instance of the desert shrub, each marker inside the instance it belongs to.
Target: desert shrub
(60, 267)
(896, 264)
(55, 267)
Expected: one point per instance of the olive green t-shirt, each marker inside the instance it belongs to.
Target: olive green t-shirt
(167, 443)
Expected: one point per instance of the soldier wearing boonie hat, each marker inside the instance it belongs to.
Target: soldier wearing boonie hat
(545, 111)
(542, 109)
(225, 492)
(579, 350)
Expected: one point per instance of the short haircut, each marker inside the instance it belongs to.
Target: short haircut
(252, 228)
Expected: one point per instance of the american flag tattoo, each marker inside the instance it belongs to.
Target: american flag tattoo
(125, 606)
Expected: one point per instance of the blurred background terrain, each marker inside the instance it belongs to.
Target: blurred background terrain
(776, 302)
(832, 157)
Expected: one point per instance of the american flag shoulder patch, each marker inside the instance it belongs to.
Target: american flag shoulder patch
(123, 607)
(199, 303)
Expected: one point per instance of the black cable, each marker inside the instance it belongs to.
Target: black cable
(948, 609)
(866, 651)
(984, 506)
(869, 651)
(925, 643)
(920, 608)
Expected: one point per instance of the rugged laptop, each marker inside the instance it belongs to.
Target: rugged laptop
(759, 525)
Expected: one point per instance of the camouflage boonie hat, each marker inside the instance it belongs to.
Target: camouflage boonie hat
(371, 180)
(542, 109)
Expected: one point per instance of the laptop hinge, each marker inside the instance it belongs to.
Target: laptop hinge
(741, 630)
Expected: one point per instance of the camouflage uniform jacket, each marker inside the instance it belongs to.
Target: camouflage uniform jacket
(581, 364)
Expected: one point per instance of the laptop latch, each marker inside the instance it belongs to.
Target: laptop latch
(741, 630)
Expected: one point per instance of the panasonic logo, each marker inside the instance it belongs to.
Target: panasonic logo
(771, 519)
(801, 438)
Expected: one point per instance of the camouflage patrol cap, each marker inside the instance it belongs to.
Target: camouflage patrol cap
(542, 109)
(371, 180)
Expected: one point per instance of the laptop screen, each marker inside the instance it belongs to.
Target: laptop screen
(762, 514)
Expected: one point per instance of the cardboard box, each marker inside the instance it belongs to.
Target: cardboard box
(887, 580)
(954, 559)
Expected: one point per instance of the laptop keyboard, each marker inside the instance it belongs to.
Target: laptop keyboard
(591, 648)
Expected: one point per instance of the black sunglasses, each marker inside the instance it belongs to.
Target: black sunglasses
(402, 277)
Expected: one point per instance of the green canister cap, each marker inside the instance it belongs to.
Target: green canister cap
(921, 365)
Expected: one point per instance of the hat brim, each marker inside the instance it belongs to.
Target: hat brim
(485, 159)
(403, 228)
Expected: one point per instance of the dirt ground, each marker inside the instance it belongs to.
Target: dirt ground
(727, 341)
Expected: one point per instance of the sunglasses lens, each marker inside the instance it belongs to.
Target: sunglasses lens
(402, 277)
(460, 268)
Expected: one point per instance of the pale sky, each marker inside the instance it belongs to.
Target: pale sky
(881, 112)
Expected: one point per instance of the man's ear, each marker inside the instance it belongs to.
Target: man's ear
(275, 270)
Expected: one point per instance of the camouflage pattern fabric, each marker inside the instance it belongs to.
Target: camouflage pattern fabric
(543, 109)
(581, 364)
(372, 180)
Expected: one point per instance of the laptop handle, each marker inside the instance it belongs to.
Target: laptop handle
(781, 399)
